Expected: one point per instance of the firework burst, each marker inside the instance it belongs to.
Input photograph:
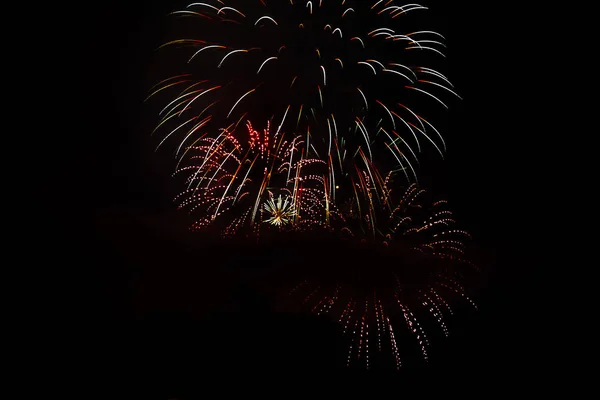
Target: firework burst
(281, 211)
(349, 77)
(348, 93)
(392, 295)
(234, 185)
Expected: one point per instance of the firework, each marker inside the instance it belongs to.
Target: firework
(346, 95)
(391, 298)
(349, 77)
(241, 186)
(281, 211)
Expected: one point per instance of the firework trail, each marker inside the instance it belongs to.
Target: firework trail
(350, 77)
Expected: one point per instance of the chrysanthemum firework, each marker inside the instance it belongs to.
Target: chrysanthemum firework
(356, 80)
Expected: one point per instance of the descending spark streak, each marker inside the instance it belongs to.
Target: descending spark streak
(245, 178)
(320, 95)
(260, 192)
(332, 173)
(230, 8)
(413, 114)
(227, 189)
(264, 62)
(228, 54)
(360, 40)
(386, 34)
(194, 129)
(218, 169)
(365, 134)
(400, 162)
(192, 86)
(406, 144)
(387, 30)
(299, 115)
(265, 17)
(329, 129)
(364, 98)
(366, 63)
(334, 125)
(411, 131)
(186, 151)
(442, 86)
(204, 5)
(240, 99)
(282, 120)
(406, 68)
(168, 79)
(173, 131)
(376, 4)
(398, 73)
(431, 41)
(388, 111)
(214, 46)
(178, 98)
(436, 131)
(191, 13)
(410, 9)
(426, 48)
(339, 156)
(349, 9)
(290, 161)
(419, 32)
(164, 87)
(429, 94)
(376, 62)
(201, 94)
(435, 73)
(393, 8)
(395, 38)
(432, 142)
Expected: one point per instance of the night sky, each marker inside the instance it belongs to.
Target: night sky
(154, 300)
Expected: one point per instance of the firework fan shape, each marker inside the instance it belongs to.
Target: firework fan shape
(391, 297)
(350, 77)
(266, 181)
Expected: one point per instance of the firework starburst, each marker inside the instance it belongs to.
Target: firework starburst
(281, 211)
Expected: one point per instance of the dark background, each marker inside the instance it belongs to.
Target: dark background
(152, 305)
